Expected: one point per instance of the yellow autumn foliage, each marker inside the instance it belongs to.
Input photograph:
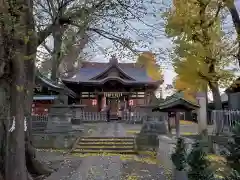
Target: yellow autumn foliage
(202, 54)
(188, 90)
(148, 61)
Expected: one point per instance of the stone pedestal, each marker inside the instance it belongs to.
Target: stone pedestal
(59, 119)
(60, 109)
(154, 127)
(59, 123)
(202, 112)
(77, 110)
(148, 136)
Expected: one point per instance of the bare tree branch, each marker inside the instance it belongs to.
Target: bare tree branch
(66, 20)
(124, 42)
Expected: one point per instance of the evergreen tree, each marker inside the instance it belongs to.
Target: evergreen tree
(233, 176)
(233, 147)
(179, 157)
(199, 165)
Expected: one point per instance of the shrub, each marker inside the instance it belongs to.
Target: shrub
(179, 157)
(233, 148)
(233, 176)
(199, 166)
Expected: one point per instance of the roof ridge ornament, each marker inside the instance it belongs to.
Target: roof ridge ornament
(113, 60)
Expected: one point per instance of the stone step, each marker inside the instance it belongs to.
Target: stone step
(116, 145)
(99, 148)
(106, 140)
(106, 143)
(106, 137)
(95, 151)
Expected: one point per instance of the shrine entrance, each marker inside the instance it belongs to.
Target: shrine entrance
(115, 100)
(113, 103)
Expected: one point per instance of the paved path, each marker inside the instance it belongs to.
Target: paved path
(113, 167)
(102, 167)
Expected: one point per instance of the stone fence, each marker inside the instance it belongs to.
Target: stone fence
(39, 122)
(224, 120)
(83, 116)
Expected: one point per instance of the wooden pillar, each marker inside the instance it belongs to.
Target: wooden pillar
(177, 123)
(103, 101)
(169, 125)
(99, 103)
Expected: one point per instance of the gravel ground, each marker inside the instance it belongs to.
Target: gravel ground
(64, 166)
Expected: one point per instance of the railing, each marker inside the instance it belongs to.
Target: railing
(39, 122)
(224, 120)
(140, 117)
(134, 117)
(93, 116)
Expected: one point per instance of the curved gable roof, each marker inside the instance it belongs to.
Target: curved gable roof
(50, 84)
(109, 68)
(92, 70)
(176, 100)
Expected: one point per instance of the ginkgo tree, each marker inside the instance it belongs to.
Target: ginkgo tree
(148, 60)
(189, 90)
(202, 54)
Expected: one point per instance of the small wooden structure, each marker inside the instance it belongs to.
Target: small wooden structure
(46, 93)
(174, 105)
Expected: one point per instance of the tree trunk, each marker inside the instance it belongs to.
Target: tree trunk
(34, 166)
(216, 95)
(57, 36)
(17, 158)
(217, 104)
(4, 112)
(16, 166)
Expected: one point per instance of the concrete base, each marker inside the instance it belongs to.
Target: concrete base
(55, 140)
(165, 149)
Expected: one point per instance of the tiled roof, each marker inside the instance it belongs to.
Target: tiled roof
(90, 70)
(139, 74)
(56, 87)
(176, 100)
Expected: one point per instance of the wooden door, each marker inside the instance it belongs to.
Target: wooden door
(113, 106)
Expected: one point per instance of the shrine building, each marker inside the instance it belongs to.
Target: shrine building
(46, 93)
(121, 86)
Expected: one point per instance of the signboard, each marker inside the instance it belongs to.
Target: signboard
(113, 94)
